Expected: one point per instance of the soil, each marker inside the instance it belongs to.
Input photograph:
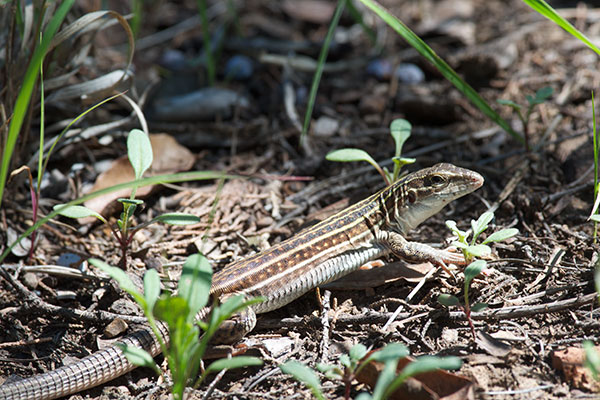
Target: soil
(539, 285)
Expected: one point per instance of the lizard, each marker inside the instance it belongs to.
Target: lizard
(317, 255)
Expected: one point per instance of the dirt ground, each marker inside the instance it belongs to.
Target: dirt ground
(539, 285)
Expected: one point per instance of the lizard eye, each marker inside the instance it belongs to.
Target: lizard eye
(437, 180)
(412, 197)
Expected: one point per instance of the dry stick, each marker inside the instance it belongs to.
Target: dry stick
(526, 311)
(21, 343)
(374, 317)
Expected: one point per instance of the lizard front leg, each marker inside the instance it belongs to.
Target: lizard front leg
(414, 251)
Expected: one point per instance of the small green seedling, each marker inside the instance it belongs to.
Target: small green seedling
(471, 249)
(359, 357)
(594, 216)
(185, 349)
(139, 152)
(400, 131)
(540, 97)
(448, 300)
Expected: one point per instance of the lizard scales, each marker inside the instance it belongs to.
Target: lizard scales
(317, 255)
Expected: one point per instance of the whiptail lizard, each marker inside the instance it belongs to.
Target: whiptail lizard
(315, 256)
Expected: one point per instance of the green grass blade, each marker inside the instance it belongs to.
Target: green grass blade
(320, 64)
(66, 129)
(544, 8)
(441, 65)
(153, 180)
(24, 97)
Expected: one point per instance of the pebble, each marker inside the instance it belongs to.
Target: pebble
(380, 69)
(115, 328)
(239, 68)
(409, 73)
(326, 126)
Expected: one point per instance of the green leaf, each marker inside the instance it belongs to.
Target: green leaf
(77, 212)
(331, 372)
(473, 270)
(543, 93)
(151, 288)
(137, 356)
(172, 310)
(501, 235)
(139, 151)
(122, 279)
(357, 352)
(194, 284)
(364, 396)
(348, 155)
(448, 300)
(392, 351)
(322, 367)
(385, 378)
(462, 235)
(479, 307)
(459, 245)
(595, 217)
(131, 202)
(509, 103)
(345, 360)
(234, 362)
(178, 219)
(303, 374)
(400, 131)
(481, 224)
(402, 161)
(479, 250)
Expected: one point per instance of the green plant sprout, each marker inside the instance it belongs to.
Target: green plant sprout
(357, 358)
(594, 216)
(139, 152)
(471, 249)
(540, 97)
(184, 351)
(448, 300)
(400, 131)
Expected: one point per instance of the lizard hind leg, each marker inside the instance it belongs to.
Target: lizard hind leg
(235, 328)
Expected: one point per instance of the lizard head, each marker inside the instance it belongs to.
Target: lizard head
(424, 193)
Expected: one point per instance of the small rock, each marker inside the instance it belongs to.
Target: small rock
(239, 68)
(69, 260)
(31, 280)
(124, 306)
(115, 328)
(380, 69)
(173, 59)
(409, 73)
(326, 126)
